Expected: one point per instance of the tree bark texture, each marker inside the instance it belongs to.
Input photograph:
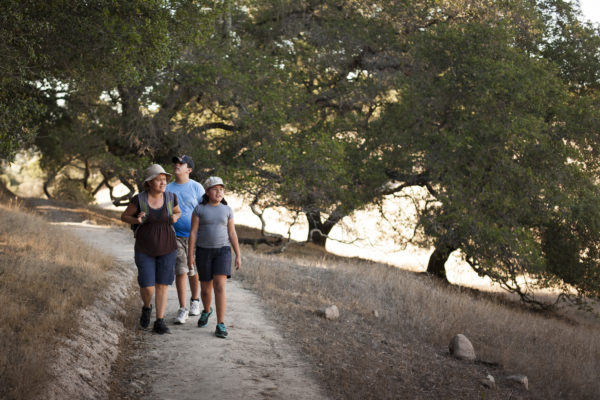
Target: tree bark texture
(318, 230)
(437, 261)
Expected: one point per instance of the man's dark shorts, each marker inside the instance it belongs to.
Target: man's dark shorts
(210, 262)
(153, 270)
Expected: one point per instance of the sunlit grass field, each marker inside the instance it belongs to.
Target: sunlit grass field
(559, 355)
(46, 276)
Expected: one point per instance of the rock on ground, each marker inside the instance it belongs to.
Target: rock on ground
(461, 347)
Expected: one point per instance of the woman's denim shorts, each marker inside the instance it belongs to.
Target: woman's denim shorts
(153, 270)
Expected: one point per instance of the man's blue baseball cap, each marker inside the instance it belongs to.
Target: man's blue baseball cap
(184, 160)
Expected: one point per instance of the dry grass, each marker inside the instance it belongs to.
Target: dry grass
(67, 211)
(46, 275)
(403, 352)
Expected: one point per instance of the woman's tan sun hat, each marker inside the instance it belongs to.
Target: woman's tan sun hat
(153, 171)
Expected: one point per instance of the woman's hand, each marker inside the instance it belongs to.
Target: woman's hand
(129, 215)
(176, 214)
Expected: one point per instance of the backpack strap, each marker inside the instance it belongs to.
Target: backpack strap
(170, 199)
(143, 202)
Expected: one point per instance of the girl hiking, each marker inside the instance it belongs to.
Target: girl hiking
(154, 211)
(212, 236)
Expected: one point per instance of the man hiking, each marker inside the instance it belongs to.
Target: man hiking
(189, 194)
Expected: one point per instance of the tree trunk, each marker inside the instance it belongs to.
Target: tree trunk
(437, 261)
(5, 193)
(47, 182)
(317, 230)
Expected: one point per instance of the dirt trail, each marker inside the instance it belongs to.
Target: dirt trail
(255, 362)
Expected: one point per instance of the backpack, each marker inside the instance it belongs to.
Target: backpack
(143, 203)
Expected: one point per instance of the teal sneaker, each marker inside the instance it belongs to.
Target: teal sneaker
(204, 318)
(221, 331)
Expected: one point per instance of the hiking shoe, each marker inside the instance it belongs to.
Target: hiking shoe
(145, 318)
(221, 331)
(160, 326)
(195, 307)
(182, 316)
(204, 318)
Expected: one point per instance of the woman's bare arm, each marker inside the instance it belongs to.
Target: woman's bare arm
(192, 240)
(129, 216)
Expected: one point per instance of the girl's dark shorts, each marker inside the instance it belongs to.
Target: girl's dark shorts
(153, 270)
(210, 262)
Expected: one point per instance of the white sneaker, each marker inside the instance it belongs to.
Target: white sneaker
(195, 307)
(182, 316)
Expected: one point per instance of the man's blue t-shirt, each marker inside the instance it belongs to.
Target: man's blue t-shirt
(189, 195)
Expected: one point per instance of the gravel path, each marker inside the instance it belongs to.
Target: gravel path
(255, 362)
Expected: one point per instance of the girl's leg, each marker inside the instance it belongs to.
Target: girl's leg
(206, 288)
(147, 293)
(203, 266)
(161, 300)
(220, 298)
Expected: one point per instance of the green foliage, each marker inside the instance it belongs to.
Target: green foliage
(52, 48)
(69, 190)
(17, 127)
(324, 109)
(490, 126)
(88, 76)
(573, 46)
(304, 102)
(570, 243)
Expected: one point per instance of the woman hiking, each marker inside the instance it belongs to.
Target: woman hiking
(154, 211)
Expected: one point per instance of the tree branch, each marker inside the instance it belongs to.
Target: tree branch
(214, 125)
(408, 180)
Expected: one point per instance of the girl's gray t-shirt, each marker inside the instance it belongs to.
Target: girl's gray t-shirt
(212, 227)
